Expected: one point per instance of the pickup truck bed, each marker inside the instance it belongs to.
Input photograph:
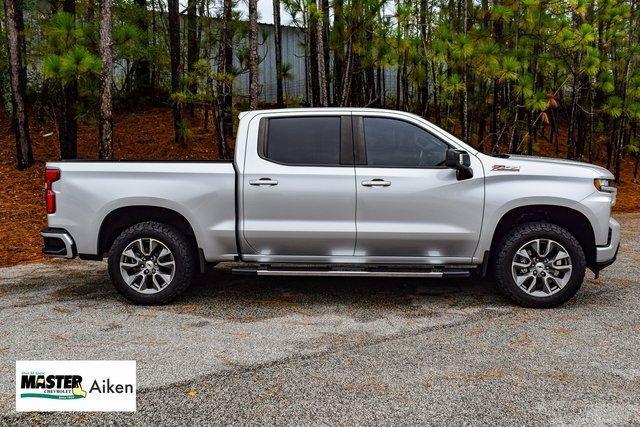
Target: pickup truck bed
(96, 194)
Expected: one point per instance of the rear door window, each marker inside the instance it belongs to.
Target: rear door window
(303, 140)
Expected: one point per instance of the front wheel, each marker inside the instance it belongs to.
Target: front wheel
(540, 265)
(151, 263)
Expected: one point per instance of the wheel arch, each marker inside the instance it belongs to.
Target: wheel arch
(570, 219)
(124, 217)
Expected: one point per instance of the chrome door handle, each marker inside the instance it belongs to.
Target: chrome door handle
(377, 182)
(263, 181)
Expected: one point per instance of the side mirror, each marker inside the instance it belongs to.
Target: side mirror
(461, 162)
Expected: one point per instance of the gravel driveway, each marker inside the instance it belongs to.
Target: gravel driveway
(240, 350)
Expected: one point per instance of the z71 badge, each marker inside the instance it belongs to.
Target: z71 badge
(505, 168)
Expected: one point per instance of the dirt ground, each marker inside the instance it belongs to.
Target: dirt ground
(145, 134)
(142, 135)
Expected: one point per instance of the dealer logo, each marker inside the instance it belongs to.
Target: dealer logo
(52, 386)
(87, 385)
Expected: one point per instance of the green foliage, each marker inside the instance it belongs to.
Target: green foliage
(62, 33)
(634, 110)
(509, 69)
(613, 107)
(634, 147)
(184, 131)
(126, 34)
(285, 71)
(453, 85)
(70, 58)
(181, 97)
(537, 101)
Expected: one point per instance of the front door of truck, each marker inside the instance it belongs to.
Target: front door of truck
(409, 205)
(299, 190)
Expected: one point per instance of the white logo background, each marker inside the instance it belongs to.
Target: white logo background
(116, 371)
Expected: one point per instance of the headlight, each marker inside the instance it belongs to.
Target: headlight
(606, 185)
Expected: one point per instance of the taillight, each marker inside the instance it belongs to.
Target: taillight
(50, 176)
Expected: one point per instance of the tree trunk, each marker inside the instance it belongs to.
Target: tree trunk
(254, 88)
(91, 10)
(192, 48)
(346, 76)
(143, 84)
(222, 115)
(174, 53)
(572, 119)
(398, 84)
(106, 82)
(219, 108)
(225, 62)
(67, 120)
(313, 60)
(153, 77)
(405, 80)
(17, 76)
(591, 127)
(277, 34)
(465, 78)
(324, 6)
(496, 122)
(436, 93)
(424, 90)
(322, 77)
(338, 53)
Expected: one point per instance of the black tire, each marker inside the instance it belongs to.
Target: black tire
(175, 241)
(519, 236)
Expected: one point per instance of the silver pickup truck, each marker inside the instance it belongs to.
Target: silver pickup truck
(338, 192)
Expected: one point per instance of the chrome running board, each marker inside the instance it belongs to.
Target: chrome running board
(383, 272)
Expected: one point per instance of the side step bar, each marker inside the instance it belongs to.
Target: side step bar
(263, 271)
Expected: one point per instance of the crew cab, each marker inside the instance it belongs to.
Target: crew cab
(338, 192)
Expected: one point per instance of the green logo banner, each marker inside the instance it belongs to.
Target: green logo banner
(52, 396)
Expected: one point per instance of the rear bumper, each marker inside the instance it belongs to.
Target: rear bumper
(58, 243)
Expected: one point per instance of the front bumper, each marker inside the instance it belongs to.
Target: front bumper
(606, 255)
(58, 243)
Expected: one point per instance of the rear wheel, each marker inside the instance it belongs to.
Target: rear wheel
(540, 265)
(151, 263)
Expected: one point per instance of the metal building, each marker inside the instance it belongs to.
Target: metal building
(295, 86)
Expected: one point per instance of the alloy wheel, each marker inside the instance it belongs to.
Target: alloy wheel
(541, 267)
(147, 265)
